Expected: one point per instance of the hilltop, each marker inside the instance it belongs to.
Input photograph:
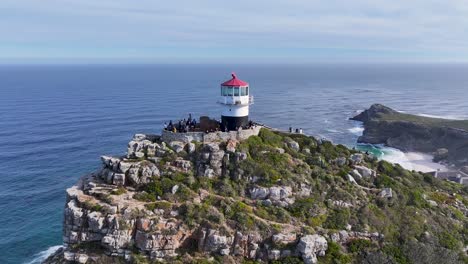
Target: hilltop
(446, 139)
(273, 197)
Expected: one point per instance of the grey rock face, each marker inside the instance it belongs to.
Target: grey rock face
(209, 240)
(293, 145)
(259, 193)
(177, 146)
(365, 172)
(191, 148)
(386, 193)
(310, 247)
(341, 161)
(357, 158)
(185, 165)
(283, 239)
(277, 195)
(280, 150)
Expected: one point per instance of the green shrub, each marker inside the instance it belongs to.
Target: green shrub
(302, 207)
(271, 138)
(159, 205)
(358, 245)
(119, 191)
(447, 240)
(273, 213)
(337, 219)
(288, 260)
(334, 255)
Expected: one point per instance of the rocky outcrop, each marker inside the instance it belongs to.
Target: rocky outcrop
(311, 246)
(447, 139)
(190, 201)
(277, 195)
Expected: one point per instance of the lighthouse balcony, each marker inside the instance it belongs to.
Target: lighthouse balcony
(236, 100)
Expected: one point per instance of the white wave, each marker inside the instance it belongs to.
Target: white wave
(412, 160)
(41, 256)
(356, 130)
(333, 131)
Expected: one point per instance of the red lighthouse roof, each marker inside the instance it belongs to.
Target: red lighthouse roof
(235, 82)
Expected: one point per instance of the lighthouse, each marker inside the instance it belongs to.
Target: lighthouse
(235, 100)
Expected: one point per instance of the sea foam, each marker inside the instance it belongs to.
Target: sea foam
(41, 256)
(411, 160)
(356, 130)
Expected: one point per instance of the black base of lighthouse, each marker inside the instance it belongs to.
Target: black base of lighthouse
(234, 122)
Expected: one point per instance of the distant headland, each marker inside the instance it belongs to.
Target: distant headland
(445, 139)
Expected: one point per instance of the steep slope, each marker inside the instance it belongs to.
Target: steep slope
(447, 138)
(279, 198)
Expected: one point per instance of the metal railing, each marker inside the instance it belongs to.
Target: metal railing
(236, 100)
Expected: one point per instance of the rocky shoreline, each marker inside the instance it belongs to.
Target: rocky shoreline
(269, 197)
(446, 140)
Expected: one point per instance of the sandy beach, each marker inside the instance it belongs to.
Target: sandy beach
(413, 160)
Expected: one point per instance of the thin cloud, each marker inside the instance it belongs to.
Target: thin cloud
(407, 30)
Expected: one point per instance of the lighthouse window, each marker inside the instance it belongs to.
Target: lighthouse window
(236, 91)
(229, 91)
(243, 91)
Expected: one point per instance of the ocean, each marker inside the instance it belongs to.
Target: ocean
(56, 121)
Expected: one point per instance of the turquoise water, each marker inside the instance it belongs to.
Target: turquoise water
(55, 121)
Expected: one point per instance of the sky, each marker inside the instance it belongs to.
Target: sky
(242, 31)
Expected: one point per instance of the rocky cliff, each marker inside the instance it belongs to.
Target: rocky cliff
(279, 198)
(446, 139)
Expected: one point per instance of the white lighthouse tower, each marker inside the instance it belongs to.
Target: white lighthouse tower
(235, 100)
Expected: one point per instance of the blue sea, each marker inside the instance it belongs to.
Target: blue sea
(55, 121)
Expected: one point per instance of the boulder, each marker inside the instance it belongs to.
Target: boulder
(386, 193)
(209, 173)
(151, 149)
(351, 179)
(135, 149)
(209, 240)
(174, 189)
(283, 239)
(341, 161)
(259, 193)
(356, 174)
(212, 147)
(217, 155)
(280, 150)
(177, 146)
(280, 192)
(125, 166)
(185, 165)
(293, 145)
(357, 158)
(191, 148)
(311, 246)
(119, 179)
(365, 172)
(274, 254)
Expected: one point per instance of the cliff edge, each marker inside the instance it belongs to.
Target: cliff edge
(270, 198)
(446, 139)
